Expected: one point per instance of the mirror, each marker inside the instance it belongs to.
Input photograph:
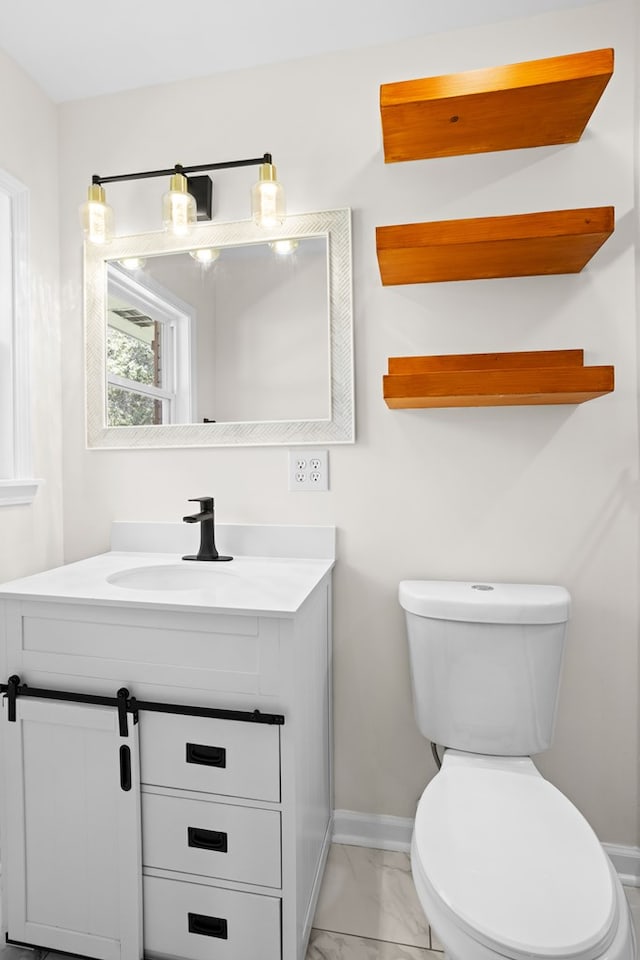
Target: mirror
(233, 336)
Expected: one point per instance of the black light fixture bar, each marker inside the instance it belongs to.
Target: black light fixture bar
(200, 187)
(178, 168)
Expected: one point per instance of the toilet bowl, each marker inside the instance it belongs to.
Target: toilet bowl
(505, 866)
(503, 863)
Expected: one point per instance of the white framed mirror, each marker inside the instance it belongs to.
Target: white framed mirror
(233, 336)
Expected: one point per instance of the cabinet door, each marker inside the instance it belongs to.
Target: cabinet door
(71, 830)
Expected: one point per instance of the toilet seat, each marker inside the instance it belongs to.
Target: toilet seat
(512, 862)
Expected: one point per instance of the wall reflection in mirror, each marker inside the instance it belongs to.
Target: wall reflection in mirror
(229, 337)
(238, 334)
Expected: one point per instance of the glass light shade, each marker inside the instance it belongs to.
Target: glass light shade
(178, 207)
(205, 254)
(267, 198)
(96, 216)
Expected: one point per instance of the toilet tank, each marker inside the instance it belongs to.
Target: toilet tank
(485, 662)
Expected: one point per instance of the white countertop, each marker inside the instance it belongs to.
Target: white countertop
(256, 585)
(244, 585)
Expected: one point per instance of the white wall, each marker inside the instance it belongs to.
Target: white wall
(538, 494)
(31, 536)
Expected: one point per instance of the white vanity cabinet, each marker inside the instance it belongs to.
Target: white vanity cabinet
(200, 831)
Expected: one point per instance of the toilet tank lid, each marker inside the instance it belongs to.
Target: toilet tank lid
(475, 601)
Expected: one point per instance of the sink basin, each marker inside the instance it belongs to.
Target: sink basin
(195, 576)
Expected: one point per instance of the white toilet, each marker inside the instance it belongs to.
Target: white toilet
(504, 865)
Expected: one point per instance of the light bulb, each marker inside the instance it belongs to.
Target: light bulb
(267, 198)
(96, 216)
(283, 247)
(205, 254)
(132, 263)
(178, 207)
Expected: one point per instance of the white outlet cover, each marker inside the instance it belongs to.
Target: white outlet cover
(309, 470)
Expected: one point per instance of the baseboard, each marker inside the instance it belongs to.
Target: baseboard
(372, 830)
(394, 833)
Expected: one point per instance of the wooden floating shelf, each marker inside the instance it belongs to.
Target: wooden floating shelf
(494, 379)
(500, 108)
(521, 245)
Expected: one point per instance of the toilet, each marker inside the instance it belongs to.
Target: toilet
(503, 863)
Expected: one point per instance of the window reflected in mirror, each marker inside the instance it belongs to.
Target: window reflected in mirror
(134, 364)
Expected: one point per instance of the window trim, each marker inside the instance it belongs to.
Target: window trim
(18, 486)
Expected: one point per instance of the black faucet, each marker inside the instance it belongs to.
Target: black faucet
(205, 518)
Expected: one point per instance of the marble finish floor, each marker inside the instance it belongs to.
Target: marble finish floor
(368, 909)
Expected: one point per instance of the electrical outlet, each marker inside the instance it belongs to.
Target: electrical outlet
(309, 470)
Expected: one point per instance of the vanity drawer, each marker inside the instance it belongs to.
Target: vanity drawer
(211, 839)
(227, 757)
(193, 922)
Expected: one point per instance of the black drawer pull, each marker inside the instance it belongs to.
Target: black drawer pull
(207, 839)
(208, 926)
(125, 768)
(207, 756)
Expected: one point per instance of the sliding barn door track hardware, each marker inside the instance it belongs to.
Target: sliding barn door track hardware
(126, 704)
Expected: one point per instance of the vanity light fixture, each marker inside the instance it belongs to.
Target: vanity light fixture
(96, 215)
(267, 197)
(178, 207)
(188, 199)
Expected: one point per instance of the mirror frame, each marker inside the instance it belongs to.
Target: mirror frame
(335, 225)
